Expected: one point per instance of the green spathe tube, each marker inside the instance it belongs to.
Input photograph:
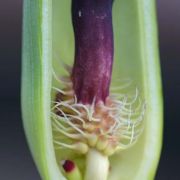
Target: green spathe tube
(47, 30)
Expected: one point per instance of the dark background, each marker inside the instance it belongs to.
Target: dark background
(15, 159)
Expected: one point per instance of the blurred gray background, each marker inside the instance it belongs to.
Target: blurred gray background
(15, 159)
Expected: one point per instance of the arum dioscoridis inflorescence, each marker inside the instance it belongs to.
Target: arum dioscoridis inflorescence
(91, 90)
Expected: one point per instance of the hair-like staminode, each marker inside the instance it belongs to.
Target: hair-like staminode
(108, 127)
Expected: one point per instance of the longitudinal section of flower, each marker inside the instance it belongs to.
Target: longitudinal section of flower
(85, 112)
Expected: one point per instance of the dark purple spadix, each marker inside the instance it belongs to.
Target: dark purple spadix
(91, 75)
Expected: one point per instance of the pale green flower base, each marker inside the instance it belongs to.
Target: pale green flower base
(97, 165)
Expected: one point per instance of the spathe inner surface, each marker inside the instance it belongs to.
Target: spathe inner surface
(127, 59)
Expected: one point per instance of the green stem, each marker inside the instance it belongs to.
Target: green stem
(97, 166)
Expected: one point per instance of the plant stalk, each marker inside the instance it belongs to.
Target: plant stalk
(97, 166)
